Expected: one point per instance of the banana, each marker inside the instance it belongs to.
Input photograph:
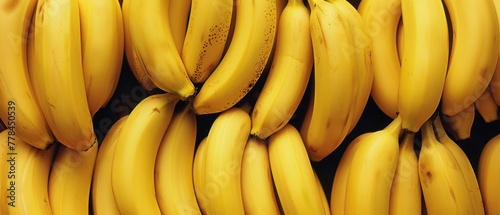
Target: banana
(71, 178)
(245, 59)
(134, 60)
(424, 61)
(174, 165)
(19, 108)
(461, 123)
(206, 36)
(178, 16)
(372, 170)
(443, 185)
(406, 194)
(103, 200)
(324, 200)
(25, 176)
(289, 75)
(486, 106)
(293, 174)
(59, 80)
(198, 175)
(102, 38)
(464, 163)
(488, 175)
(494, 85)
(257, 186)
(223, 156)
(152, 39)
(474, 53)
(132, 175)
(381, 19)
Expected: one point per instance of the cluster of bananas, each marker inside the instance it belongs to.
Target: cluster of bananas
(200, 57)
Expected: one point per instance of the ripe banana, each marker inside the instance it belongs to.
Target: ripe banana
(198, 175)
(25, 176)
(223, 156)
(495, 79)
(132, 175)
(489, 176)
(206, 36)
(58, 76)
(464, 163)
(178, 16)
(19, 108)
(486, 106)
(245, 59)
(257, 186)
(174, 165)
(381, 19)
(293, 174)
(102, 38)
(71, 178)
(103, 199)
(406, 194)
(474, 53)
(460, 124)
(424, 62)
(372, 170)
(443, 184)
(152, 39)
(289, 74)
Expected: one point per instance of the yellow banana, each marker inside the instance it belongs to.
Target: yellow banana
(60, 87)
(460, 124)
(381, 20)
(473, 55)
(174, 165)
(443, 185)
(293, 174)
(494, 85)
(245, 59)
(406, 194)
(151, 36)
(102, 38)
(132, 175)
(178, 16)
(19, 108)
(206, 36)
(489, 176)
(486, 106)
(198, 175)
(289, 75)
(324, 200)
(424, 62)
(372, 170)
(103, 199)
(464, 163)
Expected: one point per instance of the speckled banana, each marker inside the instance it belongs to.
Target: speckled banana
(289, 74)
(178, 16)
(424, 61)
(19, 108)
(486, 106)
(488, 175)
(206, 36)
(132, 175)
(174, 165)
(460, 124)
(245, 59)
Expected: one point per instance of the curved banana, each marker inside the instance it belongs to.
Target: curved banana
(424, 62)
(381, 20)
(293, 174)
(152, 38)
(474, 53)
(406, 194)
(102, 38)
(460, 124)
(19, 107)
(464, 163)
(25, 177)
(71, 178)
(59, 80)
(174, 165)
(206, 36)
(257, 186)
(178, 16)
(489, 176)
(372, 170)
(289, 75)
(443, 185)
(486, 106)
(245, 59)
(103, 199)
(132, 175)
(198, 175)
(224, 150)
